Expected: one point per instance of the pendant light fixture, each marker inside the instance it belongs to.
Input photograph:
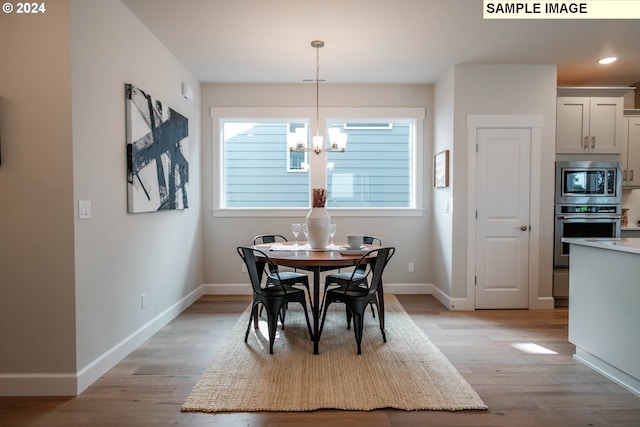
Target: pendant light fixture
(337, 140)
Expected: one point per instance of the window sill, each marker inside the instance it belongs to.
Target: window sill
(297, 213)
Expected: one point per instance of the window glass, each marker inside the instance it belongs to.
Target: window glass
(297, 160)
(375, 170)
(258, 169)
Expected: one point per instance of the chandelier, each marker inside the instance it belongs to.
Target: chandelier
(297, 140)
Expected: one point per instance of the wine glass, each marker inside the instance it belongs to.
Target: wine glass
(305, 231)
(295, 229)
(332, 232)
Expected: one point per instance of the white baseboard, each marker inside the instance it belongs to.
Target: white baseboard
(453, 304)
(466, 304)
(614, 374)
(543, 303)
(72, 384)
(38, 384)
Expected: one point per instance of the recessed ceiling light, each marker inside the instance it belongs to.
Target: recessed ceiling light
(608, 60)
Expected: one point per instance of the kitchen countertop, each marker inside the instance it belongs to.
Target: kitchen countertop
(628, 244)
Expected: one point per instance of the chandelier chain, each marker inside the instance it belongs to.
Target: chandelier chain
(317, 89)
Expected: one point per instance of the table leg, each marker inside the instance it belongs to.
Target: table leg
(316, 308)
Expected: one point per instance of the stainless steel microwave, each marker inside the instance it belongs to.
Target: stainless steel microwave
(588, 182)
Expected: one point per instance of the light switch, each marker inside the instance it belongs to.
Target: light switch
(84, 209)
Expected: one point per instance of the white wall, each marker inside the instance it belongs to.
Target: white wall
(70, 289)
(442, 244)
(120, 256)
(411, 235)
(37, 316)
(504, 89)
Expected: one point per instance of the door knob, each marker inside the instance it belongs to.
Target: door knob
(524, 228)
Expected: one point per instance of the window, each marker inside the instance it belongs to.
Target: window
(376, 175)
(375, 171)
(259, 170)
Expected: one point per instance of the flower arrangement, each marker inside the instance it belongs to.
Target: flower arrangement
(319, 197)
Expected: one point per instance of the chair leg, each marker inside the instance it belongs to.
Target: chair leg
(254, 310)
(283, 312)
(384, 335)
(309, 296)
(326, 305)
(306, 316)
(358, 324)
(272, 326)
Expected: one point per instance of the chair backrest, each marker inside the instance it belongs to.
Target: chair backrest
(268, 238)
(382, 257)
(369, 240)
(248, 255)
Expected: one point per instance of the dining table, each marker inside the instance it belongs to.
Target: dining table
(333, 257)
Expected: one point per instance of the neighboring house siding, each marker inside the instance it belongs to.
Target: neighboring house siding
(374, 171)
(256, 170)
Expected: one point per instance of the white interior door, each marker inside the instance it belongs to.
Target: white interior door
(502, 224)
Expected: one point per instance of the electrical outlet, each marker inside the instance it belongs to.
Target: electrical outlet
(143, 301)
(411, 267)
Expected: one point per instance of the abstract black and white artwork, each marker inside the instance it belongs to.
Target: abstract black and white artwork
(157, 154)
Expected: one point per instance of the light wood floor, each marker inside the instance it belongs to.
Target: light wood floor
(148, 387)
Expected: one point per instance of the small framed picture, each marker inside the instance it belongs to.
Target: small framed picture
(441, 169)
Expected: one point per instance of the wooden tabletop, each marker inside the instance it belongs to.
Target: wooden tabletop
(310, 258)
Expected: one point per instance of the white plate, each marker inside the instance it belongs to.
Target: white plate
(345, 250)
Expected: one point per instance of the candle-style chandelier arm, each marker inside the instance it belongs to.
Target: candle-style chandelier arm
(337, 140)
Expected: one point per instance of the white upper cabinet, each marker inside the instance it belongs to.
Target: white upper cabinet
(590, 122)
(631, 152)
(589, 125)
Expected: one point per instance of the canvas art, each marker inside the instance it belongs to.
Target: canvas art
(157, 154)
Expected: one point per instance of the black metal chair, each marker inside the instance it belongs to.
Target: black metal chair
(356, 297)
(359, 275)
(290, 278)
(274, 296)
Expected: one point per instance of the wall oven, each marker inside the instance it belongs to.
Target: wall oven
(583, 221)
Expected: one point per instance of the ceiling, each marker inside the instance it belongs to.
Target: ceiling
(379, 41)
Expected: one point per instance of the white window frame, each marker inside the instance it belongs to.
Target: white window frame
(317, 172)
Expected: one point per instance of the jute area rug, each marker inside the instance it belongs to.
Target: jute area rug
(408, 372)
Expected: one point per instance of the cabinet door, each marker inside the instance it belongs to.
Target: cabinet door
(633, 152)
(605, 125)
(572, 124)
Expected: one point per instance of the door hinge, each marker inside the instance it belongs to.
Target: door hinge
(476, 148)
(475, 280)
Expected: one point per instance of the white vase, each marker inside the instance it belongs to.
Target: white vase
(318, 222)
